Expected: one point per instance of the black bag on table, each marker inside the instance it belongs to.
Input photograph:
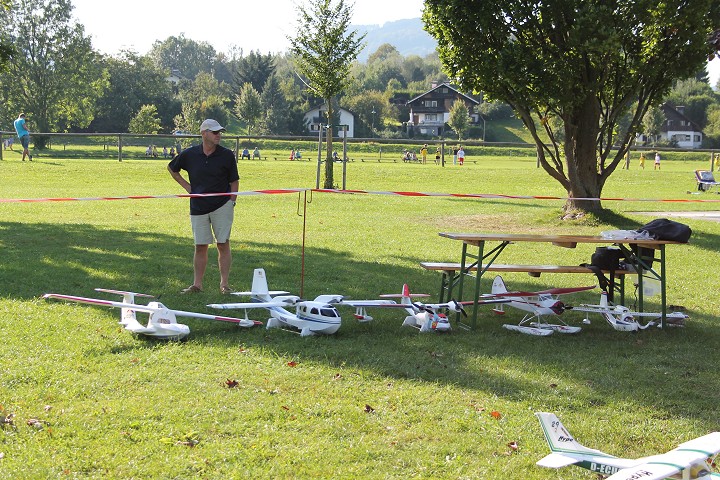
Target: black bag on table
(664, 229)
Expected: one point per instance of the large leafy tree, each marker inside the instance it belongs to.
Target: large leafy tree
(134, 81)
(254, 69)
(248, 106)
(54, 76)
(587, 62)
(202, 98)
(459, 118)
(184, 55)
(323, 52)
(6, 48)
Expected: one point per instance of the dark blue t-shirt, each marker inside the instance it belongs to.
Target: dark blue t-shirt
(207, 174)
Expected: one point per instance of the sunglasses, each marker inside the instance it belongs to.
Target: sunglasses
(219, 132)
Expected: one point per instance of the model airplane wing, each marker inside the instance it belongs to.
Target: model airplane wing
(247, 305)
(689, 454)
(97, 301)
(370, 303)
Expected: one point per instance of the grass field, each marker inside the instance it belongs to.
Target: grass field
(81, 398)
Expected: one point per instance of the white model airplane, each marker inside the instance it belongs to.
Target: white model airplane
(423, 316)
(689, 461)
(623, 319)
(162, 321)
(310, 317)
(538, 305)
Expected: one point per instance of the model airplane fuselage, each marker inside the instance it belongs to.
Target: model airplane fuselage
(689, 461)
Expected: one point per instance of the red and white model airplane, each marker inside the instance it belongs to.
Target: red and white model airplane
(423, 316)
(538, 305)
(162, 321)
(689, 461)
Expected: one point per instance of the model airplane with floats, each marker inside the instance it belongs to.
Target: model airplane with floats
(310, 317)
(162, 321)
(539, 305)
(623, 319)
(689, 461)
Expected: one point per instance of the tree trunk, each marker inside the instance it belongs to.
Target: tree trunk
(581, 134)
(329, 181)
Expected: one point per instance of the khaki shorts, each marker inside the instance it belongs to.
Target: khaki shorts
(217, 223)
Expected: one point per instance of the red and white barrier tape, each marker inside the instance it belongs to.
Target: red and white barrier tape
(363, 192)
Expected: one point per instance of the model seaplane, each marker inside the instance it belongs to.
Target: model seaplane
(423, 316)
(538, 305)
(689, 461)
(623, 319)
(310, 317)
(162, 321)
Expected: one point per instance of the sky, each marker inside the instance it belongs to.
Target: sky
(262, 25)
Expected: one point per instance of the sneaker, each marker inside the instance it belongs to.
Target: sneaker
(191, 289)
(30, 157)
(225, 290)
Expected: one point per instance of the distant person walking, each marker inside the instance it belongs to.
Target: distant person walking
(423, 153)
(24, 135)
(657, 161)
(642, 161)
(437, 156)
(461, 155)
(211, 168)
(455, 152)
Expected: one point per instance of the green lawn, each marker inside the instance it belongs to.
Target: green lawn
(82, 398)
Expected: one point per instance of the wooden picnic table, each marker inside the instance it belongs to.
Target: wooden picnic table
(475, 261)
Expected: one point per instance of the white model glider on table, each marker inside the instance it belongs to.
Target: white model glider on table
(624, 320)
(538, 305)
(162, 321)
(689, 461)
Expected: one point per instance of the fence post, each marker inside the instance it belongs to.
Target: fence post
(2, 146)
(119, 148)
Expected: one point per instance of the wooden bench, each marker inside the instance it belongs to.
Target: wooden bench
(448, 270)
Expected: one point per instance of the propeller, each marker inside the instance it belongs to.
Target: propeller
(456, 306)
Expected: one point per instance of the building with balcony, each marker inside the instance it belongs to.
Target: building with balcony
(430, 111)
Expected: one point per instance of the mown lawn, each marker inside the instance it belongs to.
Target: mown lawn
(83, 399)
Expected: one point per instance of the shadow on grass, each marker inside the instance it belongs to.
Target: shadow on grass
(652, 367)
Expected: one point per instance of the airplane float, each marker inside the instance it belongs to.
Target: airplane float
(311, 317)
(689, 461)
(162, 321)
(538, 305)
(623, 319)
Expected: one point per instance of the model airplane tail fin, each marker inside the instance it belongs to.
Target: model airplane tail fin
(559, 438)
(604, 299)
(260, 285)
(498, 286)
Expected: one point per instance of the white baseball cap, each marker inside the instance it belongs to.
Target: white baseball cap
(211, 125)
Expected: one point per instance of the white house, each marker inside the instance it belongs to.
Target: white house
(680, 129)
(313, 120)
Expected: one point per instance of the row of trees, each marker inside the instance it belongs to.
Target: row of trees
(63, 84)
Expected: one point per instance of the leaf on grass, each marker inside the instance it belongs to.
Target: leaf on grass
(337, 376)
(513, 446)
(2, 455)
(187, 443)
(369, 409)
(553, 385)
(47, 408)
(34, 422)
(292, 364)
(496, 415)
(285, 407)
(231, 383)
(436, 354)
(477, 407)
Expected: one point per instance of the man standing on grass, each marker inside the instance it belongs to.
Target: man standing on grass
(24, 135)
(211, 168)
